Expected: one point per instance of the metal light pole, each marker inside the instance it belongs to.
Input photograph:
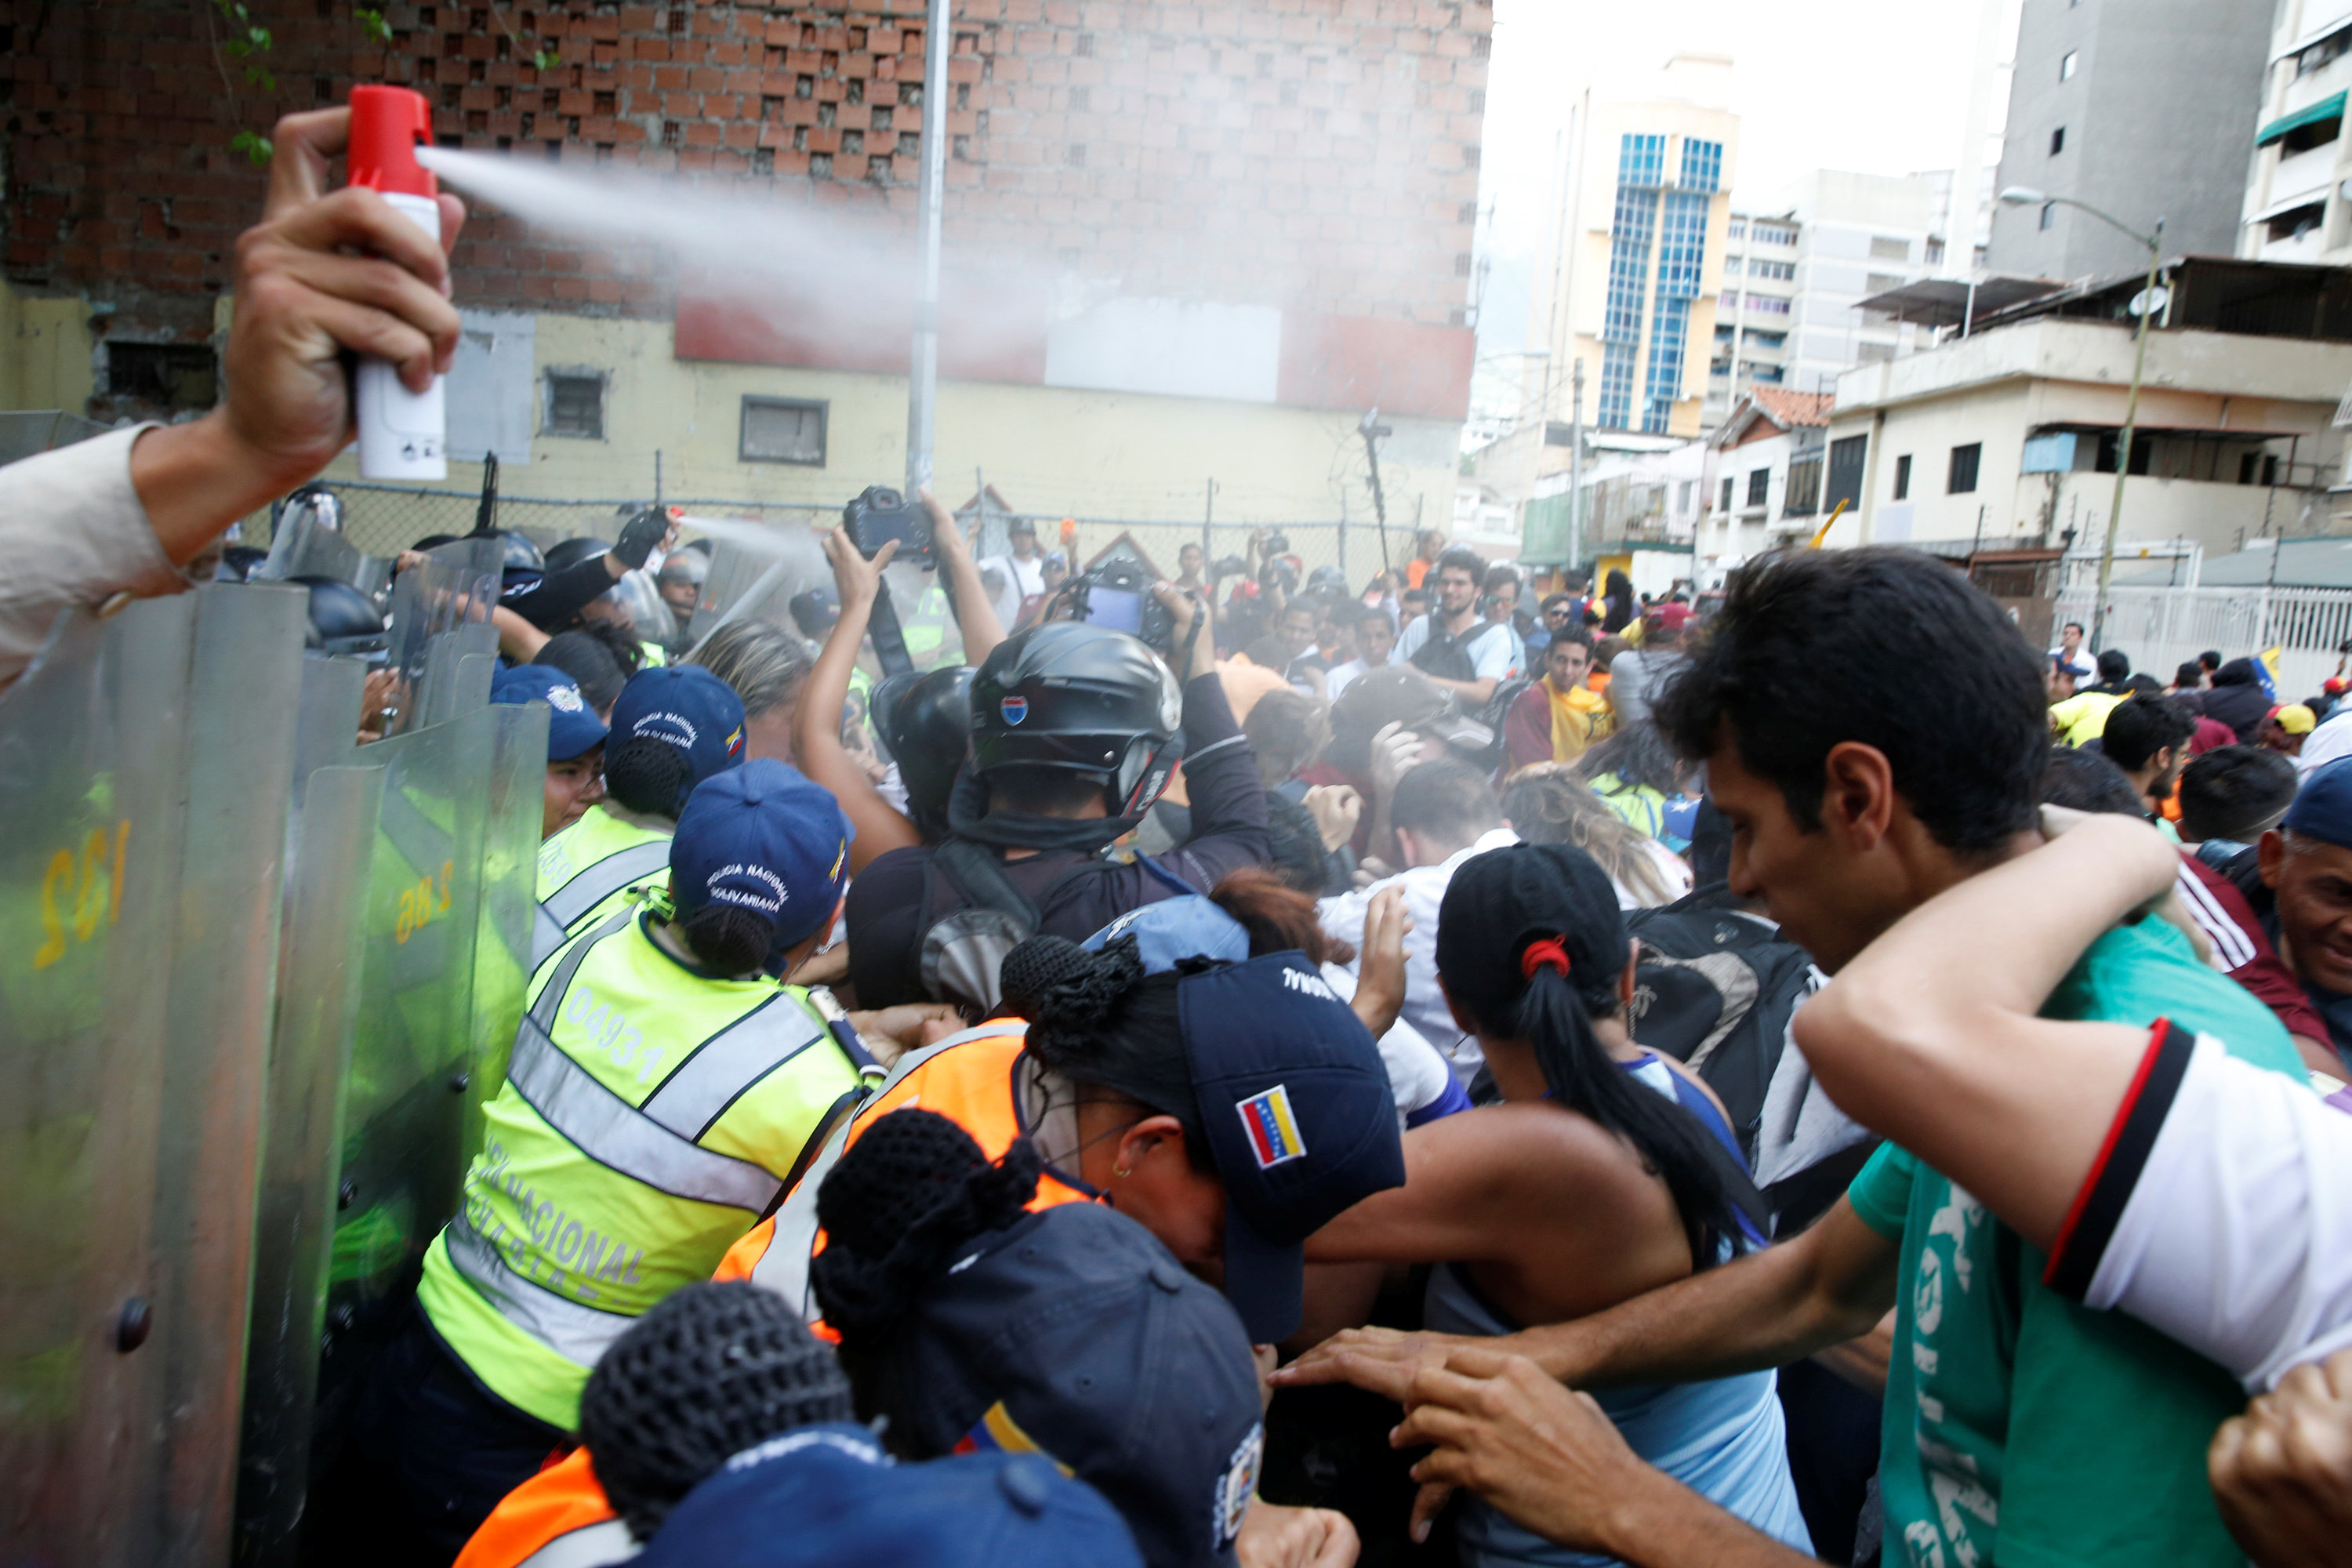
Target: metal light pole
(2023, 195)
(923, 362)
(1576, 469)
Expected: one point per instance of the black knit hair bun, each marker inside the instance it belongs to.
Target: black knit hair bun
(1066, 993)
(897, 1208)
(712, 1370)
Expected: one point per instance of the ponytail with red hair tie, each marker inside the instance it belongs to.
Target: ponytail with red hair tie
(1545, 953)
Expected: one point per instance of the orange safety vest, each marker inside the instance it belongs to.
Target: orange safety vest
(558, 1519)
(551, 1521)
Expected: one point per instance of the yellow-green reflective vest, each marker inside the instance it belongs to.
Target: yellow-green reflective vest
(654, 655)
(583, 872)
(650, 1116)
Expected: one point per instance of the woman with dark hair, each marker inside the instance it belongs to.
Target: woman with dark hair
(1617, 596)
(1537, 963)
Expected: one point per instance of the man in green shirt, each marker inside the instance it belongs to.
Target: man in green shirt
(2020, 1428)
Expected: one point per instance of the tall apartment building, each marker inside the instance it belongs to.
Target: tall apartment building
(1795, 276)
(2140, 108)
(1637, 258)
(2295, 209)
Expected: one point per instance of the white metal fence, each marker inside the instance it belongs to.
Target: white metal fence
(2163, 628)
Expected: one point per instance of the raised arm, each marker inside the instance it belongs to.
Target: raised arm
(816, 721)
(975, 613)
(1930, 1037)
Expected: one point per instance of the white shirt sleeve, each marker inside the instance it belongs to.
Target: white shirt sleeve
(1415, 633)
(1491, 657)
(2219, 1213)
(1418, 1075)
(73, 533)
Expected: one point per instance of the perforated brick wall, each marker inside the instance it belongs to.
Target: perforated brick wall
(1318, 154)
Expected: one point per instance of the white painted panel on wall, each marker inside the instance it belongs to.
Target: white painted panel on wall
(491, 386)
(1178, 348)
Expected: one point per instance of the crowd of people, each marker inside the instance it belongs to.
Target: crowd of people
(1353, 1074)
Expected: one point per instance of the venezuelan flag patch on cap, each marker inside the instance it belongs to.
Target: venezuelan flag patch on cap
(1273, 1129)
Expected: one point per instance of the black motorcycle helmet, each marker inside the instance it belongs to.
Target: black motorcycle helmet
(342, 619)
(1083, 699)
(572, 551)
(522, 553)
(925, 720)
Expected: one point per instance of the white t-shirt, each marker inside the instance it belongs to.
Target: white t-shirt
(2084, 666)
(1336, 679)
(2218, 1211)
(1424, 1004)
(1672, 870)
(2330, 742)
(1023, 579)
(1418, 1077)
(1489, 644)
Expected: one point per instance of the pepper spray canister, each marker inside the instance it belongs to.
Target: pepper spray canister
(403, 434)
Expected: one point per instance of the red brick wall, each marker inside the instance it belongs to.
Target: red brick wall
(1318, 154)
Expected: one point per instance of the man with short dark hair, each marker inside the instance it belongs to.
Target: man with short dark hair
(2148, 738)
(1500, 604)
(1557, 718)
(2070, 653)
(1443, 812)
(2019, 1427)
(1375, 637)
(1023, 567)
(1453, 645)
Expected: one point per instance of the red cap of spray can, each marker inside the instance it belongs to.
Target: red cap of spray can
(387, 122)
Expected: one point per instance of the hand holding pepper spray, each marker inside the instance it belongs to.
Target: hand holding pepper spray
(402, 433)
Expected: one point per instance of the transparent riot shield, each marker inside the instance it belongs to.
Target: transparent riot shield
(330, 833)
(755, 583)
(443, 648)
(309, 543)
(91, 860)
(509, 896)
(220, 959)
(409, 1089)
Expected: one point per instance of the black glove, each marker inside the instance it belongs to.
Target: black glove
(642, 537)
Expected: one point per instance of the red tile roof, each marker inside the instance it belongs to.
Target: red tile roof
(1789, 409)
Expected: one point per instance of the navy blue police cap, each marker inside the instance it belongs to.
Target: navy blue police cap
(762, 838)
(1300, 1118)
(827, 1497)
(1075, 1334)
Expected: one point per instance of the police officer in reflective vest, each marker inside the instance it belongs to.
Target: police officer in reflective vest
(662, 1094)
(671, 729)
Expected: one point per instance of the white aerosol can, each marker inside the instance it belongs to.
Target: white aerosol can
(403, 434)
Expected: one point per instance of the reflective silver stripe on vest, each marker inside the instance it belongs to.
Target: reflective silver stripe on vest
(598, 1546)
(571, 1330)
(621, 869)
(726, 1066)
(785, 1266)
(546, 936)
(608, 1129)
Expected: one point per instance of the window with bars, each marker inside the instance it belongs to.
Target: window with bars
(1759, 486)
(1962, 479)
(1803, 496)
(574, 404)
(782, 430)
(1781, 269)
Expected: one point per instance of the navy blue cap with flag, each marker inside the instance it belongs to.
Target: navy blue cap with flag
(1074, 1334)
(572, 727)
(687, 707)
(1300, 1118)
(764, 839)
(828, 1497)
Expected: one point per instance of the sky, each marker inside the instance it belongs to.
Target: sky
(1878, 87)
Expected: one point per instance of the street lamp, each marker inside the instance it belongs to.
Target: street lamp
(2027, 196)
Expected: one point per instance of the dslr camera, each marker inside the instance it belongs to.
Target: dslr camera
(1118, 594)
(879, 514)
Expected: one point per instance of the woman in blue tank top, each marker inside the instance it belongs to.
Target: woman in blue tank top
(1607, 1170)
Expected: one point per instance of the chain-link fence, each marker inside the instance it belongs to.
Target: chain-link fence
(384, 520)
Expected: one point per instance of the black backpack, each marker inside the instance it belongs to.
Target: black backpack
(973, 916)
(1448, 658)
(1715, 988)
